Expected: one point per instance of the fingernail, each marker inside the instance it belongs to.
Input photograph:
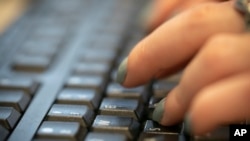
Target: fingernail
(187, 126)
(158, 112)
(241, 6)
(122, 71)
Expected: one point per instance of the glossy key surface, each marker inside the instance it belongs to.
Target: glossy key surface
(116, 124)
(122, 107)
(98, 68)
(16, 99)
(89, 97)
(27, 85)
(117, 91)
(77, 113)
(95, 136)
(8, 117)
(160, 137)
(61, 130)
(86, 81)
(152, 127)
(31, 63)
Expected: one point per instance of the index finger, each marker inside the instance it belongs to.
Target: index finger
(174, 43)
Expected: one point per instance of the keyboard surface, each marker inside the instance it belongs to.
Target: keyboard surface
(57, 70)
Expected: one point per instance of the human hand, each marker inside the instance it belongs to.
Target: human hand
(161, 10)
(210, 41)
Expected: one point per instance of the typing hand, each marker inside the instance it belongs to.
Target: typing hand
(209, 42)
(160, 10)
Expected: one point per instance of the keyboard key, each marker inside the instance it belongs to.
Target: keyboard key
(16, 99)
(95, 55)
(26, 85)
(152, 127)
(86, 81)
(93, 136)
(61, 130)
(219, 134)
(40, 43)
(160, 137)
(3, 133)
(77, 113)
(117, 91)
(115, 124)
(162, 88)
(89, 97)
(31, 63)
(96, 68)
(33, 49)
(104, 42)
(121, 107)
(49, 32)
(8, 117)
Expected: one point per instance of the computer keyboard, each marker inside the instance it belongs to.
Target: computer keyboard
(57, 76)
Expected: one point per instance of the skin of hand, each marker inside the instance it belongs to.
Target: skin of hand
(161, 10)
(213, 49)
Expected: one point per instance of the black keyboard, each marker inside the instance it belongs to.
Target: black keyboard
(57, 69)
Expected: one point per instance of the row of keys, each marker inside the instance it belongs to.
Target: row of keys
(15, 96)
(74, 108)
(127, 127)
(40, 48)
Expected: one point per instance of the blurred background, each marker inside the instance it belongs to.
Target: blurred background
(10, 10)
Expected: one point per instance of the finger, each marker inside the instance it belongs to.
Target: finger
(222, 56)
(175, 42)
(164, 9)
(224, 102)
(191, 3)
(161, 9)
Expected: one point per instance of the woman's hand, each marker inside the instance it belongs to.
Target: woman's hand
(210, 41)
(161, 10)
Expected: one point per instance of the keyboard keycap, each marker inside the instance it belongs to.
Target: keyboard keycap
(61, 130)
(115, 124)
(16, 99)
(31, 63)
(3, 133)
(86, 81)
(152, 127)
(121, 107)
(8, 117)
(26, 85)
(160, 137)
(95, 55)
(93, 136)
(89, 97)
(33, 49)
(162, 88)
(77, 113)
(117, 91)
(93, 68)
